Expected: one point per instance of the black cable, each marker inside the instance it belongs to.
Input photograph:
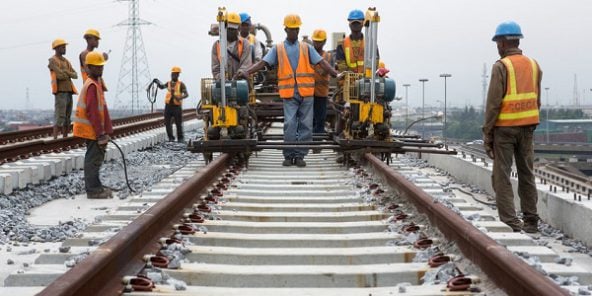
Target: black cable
(124, 166)
(152, 91)
(473, 196)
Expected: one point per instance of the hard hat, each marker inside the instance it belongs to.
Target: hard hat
(245, 18)
(509, 30)
(58, 42)
(95, 58)
(292, 21)
(176, 69)
(234, 20)
(381, 64)
(92, 32)
(355, 15)
(319, 35)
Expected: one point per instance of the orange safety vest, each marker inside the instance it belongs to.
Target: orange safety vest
(54, 81)
(82, 125)
(177, 91)
(302, 78)
(321, 78)
(85, 75)
(520, 104)
(240, 49)
(354, 59)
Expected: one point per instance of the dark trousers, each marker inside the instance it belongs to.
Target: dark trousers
(93, 159)
(514, 143)
(170, 112)
(320, 114)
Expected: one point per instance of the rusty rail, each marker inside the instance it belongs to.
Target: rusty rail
(101, 272)
(508, 271)
(28, 149)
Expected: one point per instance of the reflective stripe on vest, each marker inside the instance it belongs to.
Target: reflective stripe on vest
(288, 79)
(54, 80)
(520, 104)
(322, 78)
(82, 126)
(240, 49)
(354, 62)
(178, 94)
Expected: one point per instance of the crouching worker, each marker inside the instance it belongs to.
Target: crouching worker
(92, 122)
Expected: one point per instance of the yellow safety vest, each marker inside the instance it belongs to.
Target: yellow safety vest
(177, 91)
(82, 125)
(520, 104)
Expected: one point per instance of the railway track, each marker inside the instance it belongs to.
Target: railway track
(20, 145)
(320, 230)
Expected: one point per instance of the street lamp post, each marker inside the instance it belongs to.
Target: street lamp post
(445, 75)
(547, 111)
(406, 86)
(423, 81)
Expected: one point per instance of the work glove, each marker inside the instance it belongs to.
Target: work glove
(103, 140)
(382, 72)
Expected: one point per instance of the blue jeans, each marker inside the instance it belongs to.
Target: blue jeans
(298, 116)
(320, 114)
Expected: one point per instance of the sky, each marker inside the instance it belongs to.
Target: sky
(417, 39)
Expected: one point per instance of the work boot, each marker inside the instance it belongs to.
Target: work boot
(299, 162)
(531, 224)
(517, 226)
(288, 162)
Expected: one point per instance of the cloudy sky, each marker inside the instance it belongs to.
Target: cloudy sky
(417, 39)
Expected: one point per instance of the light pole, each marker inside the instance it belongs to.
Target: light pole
(406, 86)
(445, 75)
(423, 81)
(547, 111)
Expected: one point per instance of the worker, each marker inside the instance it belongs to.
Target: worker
(239, 51)
(295, 63)
(245, 32)
(93, 123)
(511, 116)
(321, 91)
(61, 73)
(173, 101)
(92, 38)
(349, 56)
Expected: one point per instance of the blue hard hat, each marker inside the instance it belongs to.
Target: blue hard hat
(355, 15)
(245, 17)
(508, 29)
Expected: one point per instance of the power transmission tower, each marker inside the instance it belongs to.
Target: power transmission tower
(484, 85)
(576, 94)
(134, 69)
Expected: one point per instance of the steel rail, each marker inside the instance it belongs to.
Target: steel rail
(508, 271)
(46, 131)
(33, 148)
(101, 272)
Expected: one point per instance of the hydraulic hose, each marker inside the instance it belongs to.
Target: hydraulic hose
(152, 92)
(124, 166)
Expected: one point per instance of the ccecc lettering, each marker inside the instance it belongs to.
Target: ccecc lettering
(522, 106)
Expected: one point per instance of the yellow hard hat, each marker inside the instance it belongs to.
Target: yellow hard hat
(95, 58)
(381, 64)
(292, 21)
(92, 32)
(233, 20)
(319, 35)
(58, 42)
(176, 69)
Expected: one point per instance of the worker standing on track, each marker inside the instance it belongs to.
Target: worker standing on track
(295, 62)
(321, 91)
(239, 50)
(93, 123)
(173, 101)
(245, 32)
(92, 38)
(61, 73)
(511, 116)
